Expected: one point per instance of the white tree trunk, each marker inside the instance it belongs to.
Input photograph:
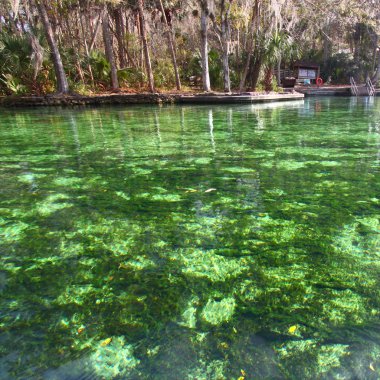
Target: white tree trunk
(204, 48)
(226, 52)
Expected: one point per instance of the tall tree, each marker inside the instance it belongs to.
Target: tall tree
(62, 83)
(223, 32)
(204, 44)
(107, 38)
(120, 35)
(171, 40)
(140, 8)
(253, 31)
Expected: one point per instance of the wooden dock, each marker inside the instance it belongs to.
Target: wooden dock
(344, 90)
(324, 90)
(250, 98)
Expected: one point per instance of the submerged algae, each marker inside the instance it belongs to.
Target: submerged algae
(217, 312)
(119, 238)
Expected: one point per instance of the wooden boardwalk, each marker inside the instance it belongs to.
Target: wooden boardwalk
(324, 90)
(344, 90)
(250, 98)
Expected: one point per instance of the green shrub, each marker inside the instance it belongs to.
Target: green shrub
(340, 67)
(13, 85)
(164, 75)
(131, 76)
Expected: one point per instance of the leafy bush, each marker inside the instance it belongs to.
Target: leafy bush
(13, 85)
(164, 75)
(340, 67)
(101, 68)
(131, 76)
(215, 69)
(194, 68)
(15, 58)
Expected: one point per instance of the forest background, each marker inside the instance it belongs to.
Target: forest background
(86, 47)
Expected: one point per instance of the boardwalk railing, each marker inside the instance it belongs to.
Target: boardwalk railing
(354, 87)
(370, 87)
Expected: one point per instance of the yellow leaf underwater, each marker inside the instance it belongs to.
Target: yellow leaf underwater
(292, 329)
(371, 367)
(209, 190)
(106, 342)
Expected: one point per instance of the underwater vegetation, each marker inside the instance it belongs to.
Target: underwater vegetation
(191, 242)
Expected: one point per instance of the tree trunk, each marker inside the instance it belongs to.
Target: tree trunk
(279, 71)
(254, 25)
(226, 67)
(120, 36)
(171, 46)
(62, 84)
(204, 47)
(245, 72)
(145, 46)
(226, 46)
(256, 68)
(376, 77)
(85, 44)
(109, 51)
(268, 77)
(326, 46)
(95, 33)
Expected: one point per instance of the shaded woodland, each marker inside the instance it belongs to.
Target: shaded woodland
(82, 46)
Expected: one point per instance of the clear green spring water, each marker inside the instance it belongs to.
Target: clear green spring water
(196, 242)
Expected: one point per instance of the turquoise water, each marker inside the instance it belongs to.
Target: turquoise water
(203, 242)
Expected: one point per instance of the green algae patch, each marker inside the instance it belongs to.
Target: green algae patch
(208, 265)
(30, 178)
(122, 195)
(166, 197)
(52, 204)
(217, 312)
(288, 165)
(113, 360)
(68, 181)
(189, 315)
(12, 233)
(321, 358)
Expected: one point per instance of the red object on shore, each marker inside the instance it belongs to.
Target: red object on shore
(319, 81)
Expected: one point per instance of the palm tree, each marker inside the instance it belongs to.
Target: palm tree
(279, 46)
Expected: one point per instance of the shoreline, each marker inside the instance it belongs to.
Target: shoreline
(299, 93)
(145, 98)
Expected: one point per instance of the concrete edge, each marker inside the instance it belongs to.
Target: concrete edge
(67, 101)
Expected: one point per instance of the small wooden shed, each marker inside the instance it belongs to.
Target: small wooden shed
(304, 71)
